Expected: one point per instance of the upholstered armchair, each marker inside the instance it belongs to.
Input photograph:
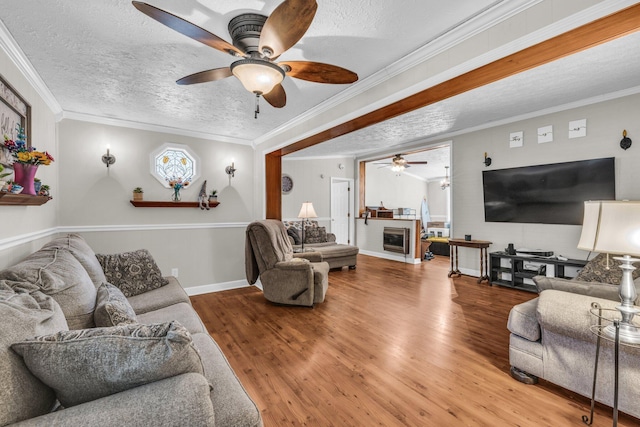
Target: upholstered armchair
(287, 278)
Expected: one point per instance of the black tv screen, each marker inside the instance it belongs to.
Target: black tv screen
(547, 194)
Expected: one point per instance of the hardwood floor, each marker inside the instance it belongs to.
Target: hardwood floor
(393, 345)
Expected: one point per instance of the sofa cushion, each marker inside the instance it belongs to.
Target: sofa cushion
(79, 248)
(181, 312)
(57, 273)
(165, 296)
(133, 272)
(523, 321)
(594, 289)
(112, 307)
(596, 270)
(315, 234)
(85, 365)
(25, 313)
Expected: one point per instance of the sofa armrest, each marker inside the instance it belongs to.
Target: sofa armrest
(568, 314)
(309, 256)
(294, 264)
(180, 400)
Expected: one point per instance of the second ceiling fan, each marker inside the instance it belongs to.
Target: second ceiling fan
(258, 41)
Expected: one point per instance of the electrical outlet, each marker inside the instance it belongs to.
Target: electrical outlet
(174, 272)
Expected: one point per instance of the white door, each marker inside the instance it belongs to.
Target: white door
(340, 212)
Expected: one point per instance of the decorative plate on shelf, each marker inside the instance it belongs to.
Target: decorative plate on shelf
(287, 184)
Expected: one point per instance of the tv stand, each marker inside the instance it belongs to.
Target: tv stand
(513, 274)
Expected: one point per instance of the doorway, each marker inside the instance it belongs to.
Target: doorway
(342, 207)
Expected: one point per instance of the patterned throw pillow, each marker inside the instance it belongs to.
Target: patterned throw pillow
(112, 307)
(84, 365)
(133, 273)
(596, 271)
(315, 235)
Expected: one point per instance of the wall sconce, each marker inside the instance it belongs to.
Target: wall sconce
(108, 159)
(231, 170)
(487, 160)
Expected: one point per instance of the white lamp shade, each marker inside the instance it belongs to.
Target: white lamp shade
(611, 227)
(256, 75)
(307, 211)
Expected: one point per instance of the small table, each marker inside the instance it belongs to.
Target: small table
(612, 316)
(479, 244)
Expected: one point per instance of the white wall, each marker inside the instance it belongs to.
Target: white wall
(438, 201)
(392, 189)
(312, 183)
(206, 246)
(605, 123)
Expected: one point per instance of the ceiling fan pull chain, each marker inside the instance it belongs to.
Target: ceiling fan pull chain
(257, 106)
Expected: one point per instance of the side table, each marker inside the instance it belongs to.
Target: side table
(479, 244)
(609, 315)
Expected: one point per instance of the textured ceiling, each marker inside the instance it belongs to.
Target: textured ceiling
(104, 58)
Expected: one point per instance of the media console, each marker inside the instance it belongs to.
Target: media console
(512, 270)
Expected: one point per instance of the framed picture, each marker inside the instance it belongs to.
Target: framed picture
(14, 111)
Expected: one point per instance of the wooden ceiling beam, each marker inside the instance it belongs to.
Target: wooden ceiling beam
(608, 28)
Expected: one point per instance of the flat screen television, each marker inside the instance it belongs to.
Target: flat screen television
(547, 194)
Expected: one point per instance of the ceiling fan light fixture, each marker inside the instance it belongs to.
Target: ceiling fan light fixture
(257, 76)
(445, 183)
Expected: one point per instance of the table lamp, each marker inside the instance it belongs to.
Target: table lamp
(613, 227)
(306, 211)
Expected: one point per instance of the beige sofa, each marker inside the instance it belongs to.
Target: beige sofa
(318, 240)
(150, 360)
(551, 338)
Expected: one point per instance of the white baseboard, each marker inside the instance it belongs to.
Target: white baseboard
(408, 259)
(216, 287)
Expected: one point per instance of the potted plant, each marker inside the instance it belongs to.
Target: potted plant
(213, 197)
(3, 175)
(37, 184)
(137, 193)
(44, 190)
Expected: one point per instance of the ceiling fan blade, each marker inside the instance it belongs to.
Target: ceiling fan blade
(286, 25)
(319, 72)
(206, 76)
(417, 163)
(277, 97)
(187, 28)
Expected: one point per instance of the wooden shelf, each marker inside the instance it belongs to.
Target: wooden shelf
(163, 204)
(10, 199)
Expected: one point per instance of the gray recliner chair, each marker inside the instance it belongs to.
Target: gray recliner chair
(287, 278)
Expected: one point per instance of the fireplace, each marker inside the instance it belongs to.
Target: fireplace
(396, 240)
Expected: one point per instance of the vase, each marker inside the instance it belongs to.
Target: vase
(24, 175)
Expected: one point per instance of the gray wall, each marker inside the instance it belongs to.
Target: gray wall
(393, 189)
(605, 123)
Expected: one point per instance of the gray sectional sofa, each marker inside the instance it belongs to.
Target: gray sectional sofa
(105, 340)
(551, 337)
(316, 239)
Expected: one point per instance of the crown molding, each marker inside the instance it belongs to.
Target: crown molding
(15, 54)
(328, 157)
(472, 27)
(151, 127)
(447, 137)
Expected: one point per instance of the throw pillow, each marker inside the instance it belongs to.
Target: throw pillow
(133, 273)
(25, 312)
(294, 235)
(56, 272)
(315, 235)
(85, 365)
(596, 271)
(593, 289)
(112, 307)
(79, 248)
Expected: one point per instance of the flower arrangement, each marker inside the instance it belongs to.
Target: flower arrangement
(23, 154)
(177, 184)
